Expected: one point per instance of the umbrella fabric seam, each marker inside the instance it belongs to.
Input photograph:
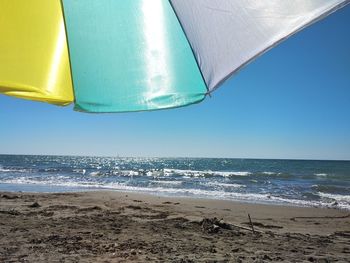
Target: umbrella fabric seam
(193, 53)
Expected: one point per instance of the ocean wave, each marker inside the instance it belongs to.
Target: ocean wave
(321, 175)
(127, 173)
(167, 182)
(336, 197)
(14, 170)
(196, 173)
(96, 173)
(225, 185)
(79, 171)
(341, 201)
(269, 173)
(331, 189)
(178, 172)
(49, 170)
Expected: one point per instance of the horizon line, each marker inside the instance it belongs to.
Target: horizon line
(178, 157)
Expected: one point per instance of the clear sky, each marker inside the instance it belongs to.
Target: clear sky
(293, 102)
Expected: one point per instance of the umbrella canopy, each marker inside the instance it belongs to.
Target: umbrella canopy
(34, 62)
(136, 55)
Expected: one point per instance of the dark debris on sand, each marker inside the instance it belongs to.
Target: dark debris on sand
(138, 233)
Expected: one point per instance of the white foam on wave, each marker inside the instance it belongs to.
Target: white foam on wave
(343, 201)
(79, 171)
(156, 173)
(13, 170)
(269, 173)
(196, 173)
(170, 172)
(95, 173)
(321, 175)
(168, 182)
(126, 173)
(239, 173)
(336, 197)
(62, 181)
(225, 185)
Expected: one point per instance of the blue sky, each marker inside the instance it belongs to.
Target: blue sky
(293, 102)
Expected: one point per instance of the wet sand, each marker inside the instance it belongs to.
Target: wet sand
(123, 227)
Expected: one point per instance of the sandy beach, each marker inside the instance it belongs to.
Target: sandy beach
(126, 227)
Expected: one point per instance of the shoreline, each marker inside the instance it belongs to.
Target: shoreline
(110, 226)
(269, 202)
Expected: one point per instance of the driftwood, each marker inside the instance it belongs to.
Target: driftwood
(246, 228)
(212, 225)
(251, 224)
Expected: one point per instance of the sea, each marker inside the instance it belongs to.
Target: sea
(286, 182)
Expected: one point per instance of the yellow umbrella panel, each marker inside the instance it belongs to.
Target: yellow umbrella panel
(34, 62)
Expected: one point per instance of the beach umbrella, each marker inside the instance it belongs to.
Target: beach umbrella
(136, 55)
